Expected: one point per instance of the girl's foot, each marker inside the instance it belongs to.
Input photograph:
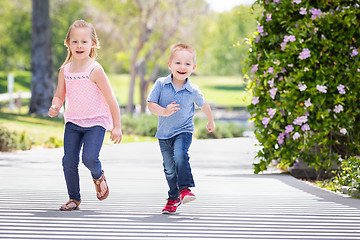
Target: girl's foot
(71, 205)
(102, 189)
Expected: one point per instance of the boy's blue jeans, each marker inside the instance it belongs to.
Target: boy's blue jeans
(75, 137)
(176, 162)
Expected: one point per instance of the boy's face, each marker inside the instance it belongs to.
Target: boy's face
(182, 64)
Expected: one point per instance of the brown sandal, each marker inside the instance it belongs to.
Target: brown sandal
(97, 183)
(66, 207)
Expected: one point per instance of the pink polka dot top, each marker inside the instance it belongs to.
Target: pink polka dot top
(85, 105)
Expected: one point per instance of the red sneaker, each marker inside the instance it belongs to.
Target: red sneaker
(171, 206)
(186, 196)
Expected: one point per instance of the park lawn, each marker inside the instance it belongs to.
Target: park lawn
(218, 90)
(224, 91)
(42, 129)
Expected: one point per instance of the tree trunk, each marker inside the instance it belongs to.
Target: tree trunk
(42, 79)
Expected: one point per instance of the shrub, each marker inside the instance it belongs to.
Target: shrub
(7, 140)
(349, 175)
(305, 82)
(143, 125)
(10, 141)
(222, 130)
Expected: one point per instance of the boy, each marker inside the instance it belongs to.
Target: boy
(172, 98)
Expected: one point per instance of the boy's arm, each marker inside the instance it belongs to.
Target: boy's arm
(156, 109)
(207, 110)
(59, 96)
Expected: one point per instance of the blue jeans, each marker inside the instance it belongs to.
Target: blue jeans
(176, 162)
(91, 140)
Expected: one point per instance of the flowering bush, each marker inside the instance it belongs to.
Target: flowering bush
(305, 79)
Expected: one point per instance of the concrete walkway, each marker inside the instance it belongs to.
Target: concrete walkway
(232, 203)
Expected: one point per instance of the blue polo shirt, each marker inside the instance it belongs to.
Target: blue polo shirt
(163, 93)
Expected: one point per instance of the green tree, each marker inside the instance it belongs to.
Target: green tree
(15, 31)
(221, 48)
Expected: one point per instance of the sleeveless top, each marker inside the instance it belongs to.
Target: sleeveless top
(85, 105)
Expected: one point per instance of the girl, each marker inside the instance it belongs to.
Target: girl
(90, 110)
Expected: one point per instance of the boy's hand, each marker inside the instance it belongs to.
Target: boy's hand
(210, 126)
(116, 135)
(54, 110)
(171, 109)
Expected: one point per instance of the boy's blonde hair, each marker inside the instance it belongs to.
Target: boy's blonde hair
(181, 46)
(94, 39)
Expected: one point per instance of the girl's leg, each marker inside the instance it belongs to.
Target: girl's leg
(70, 162)
(181, 157)
(93, 140)
(167, 152)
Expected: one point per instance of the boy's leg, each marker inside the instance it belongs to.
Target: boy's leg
(167, 152)
(93, 141)
(70, 162)
(181, 157)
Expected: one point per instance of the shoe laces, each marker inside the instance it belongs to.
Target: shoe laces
(171, 202)
(185, 190)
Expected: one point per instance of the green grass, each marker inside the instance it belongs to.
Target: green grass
(222, 91)
(42, 129)
(219, 91)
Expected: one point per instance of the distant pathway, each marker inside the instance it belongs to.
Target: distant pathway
(232, 202)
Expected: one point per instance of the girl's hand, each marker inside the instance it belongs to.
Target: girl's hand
(116, 135)
(210, 126)
(171, 109)
(54, 110)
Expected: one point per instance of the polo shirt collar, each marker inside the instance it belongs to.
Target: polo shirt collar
(187, 85)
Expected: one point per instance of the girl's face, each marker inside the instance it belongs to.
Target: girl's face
(80, 43)
(182, 65)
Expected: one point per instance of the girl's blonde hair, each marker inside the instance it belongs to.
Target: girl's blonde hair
(181, 46)
(94, 39)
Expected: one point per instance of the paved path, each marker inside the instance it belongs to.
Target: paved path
(232, 202)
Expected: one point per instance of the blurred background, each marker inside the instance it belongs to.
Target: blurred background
(135, 37)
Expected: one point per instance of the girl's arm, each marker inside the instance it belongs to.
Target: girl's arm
(59, 96)
(99, 77)
(207, 110)
(156, 109)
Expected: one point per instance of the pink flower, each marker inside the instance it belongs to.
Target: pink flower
(296, 135)
(303, 11)
(271, 82)
(354, 52)
(281, 138)
(304, 54)
(302, 86)
(338, 108)
(270, 70)
(271, 112)
(307, 103)
(315, 13)
(255, 100)
(254, 68)
(273, 92)
(297, 1)
(321, 88)
(265, 121)
(300, 120)
(260, 29)
(305, 127)
(268, 17)
(276, 1)
(343, 131)
(341, 89)
(289, 128)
